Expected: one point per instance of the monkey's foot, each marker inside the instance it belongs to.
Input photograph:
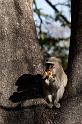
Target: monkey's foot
(57, 105)
(50, 105)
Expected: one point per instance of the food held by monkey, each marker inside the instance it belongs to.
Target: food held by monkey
(55, 81)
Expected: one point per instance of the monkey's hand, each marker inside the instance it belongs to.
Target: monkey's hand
(45, 75)
(47, 82)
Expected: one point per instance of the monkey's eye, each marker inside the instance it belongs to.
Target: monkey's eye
(49, 65)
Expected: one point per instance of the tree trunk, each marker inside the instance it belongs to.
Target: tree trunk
(20, 59)
(21, 66)
(75, 51)
(19, 50)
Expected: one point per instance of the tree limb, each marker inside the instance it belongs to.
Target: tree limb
(57, 11)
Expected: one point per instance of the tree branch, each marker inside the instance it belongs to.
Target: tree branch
(63, 4)
(57, 11)
(38, 13)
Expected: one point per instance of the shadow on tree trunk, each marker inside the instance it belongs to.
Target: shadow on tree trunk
(28, 87)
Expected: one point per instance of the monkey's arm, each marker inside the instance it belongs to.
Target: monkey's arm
(45, 75)
(65, 80)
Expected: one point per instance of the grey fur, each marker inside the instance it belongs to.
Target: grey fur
(55, 83)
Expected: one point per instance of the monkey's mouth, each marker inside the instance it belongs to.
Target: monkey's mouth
(49, 72)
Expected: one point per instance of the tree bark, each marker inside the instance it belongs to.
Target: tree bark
(20, 59)
(20, 63)
(75, 51)
(19, 49)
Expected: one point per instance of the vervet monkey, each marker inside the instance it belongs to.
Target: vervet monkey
(55, 81)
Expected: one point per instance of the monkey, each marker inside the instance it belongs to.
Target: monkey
(55, 81)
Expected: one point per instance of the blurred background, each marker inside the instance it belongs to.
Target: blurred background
(53, 23)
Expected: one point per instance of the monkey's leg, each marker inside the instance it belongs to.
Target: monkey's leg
(59, 95)
(50, 104)
(47, 93)
(50, 98)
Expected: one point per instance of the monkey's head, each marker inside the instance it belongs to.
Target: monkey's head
(51, 62)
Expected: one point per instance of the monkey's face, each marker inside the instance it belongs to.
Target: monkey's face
(52, 68)
(48, 71)
(49, 66)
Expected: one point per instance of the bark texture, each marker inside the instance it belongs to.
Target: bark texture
(19, 50)
(69, 113)
(20, 69)
(75, 53)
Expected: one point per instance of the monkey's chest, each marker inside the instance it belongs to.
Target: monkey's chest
(53, 85)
